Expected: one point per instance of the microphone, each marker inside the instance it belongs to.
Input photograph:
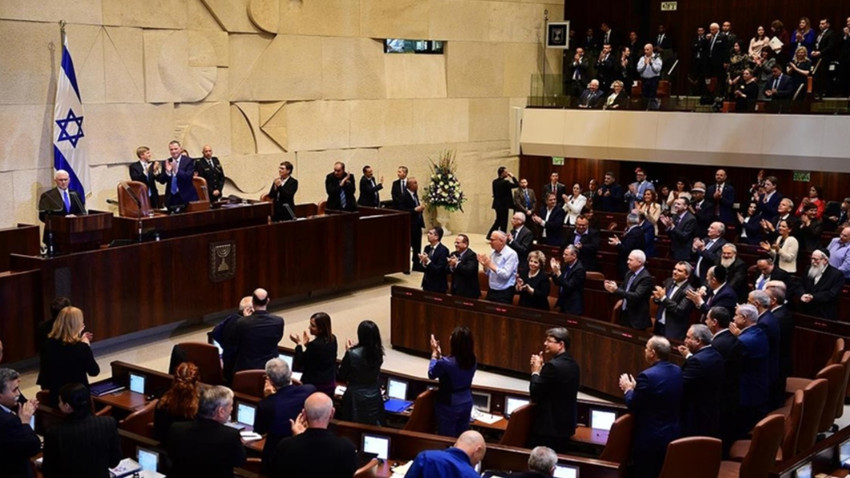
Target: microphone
(112, 202)
(76, 197)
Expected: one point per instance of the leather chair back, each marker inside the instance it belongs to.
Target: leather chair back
(137, 422)
(249, 382)
(839, 404)
(792, 426)
(424, 418)
(131, 195)
(200, 185)
(694, 457)
(519, 426)
(205, 356)
(767, 436)
(814, 399)
(619, 444)
(834, 375)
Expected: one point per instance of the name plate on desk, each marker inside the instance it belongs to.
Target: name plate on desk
(222, 260)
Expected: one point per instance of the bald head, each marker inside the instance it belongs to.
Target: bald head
(472, 443)
(260, 299)
(319, 409)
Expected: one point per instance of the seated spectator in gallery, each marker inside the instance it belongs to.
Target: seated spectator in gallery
(618, 99)
(180, 402)
(533, 283)
(591, 98)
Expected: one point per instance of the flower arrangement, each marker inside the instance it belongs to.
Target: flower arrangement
(444, 189)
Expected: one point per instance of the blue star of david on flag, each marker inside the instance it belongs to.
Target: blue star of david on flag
(64, 135)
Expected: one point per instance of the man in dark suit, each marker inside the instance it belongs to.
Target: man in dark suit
(635, 292)
(502, 199)
(61, 200)
(340, 187)
(205, 446)
(633, 239)
(718, 57)
(551, 219)
(769, 271)
(18, 442)
(369, 195)
(605, 70)
(826, 51)
(725, 342)
(586, 241)
(702, 209)
(399, 186)
(576, 77)
(555, 187)
(569, 278)
(755, 374)
(779, 308)
(722, 195)
(768, 203)
(681, 225)
(209, 168)
(283, 402)
(176, 173)
(706, 252)
(591, 98)
(145, 171)
(844, 59)
(702, 376)
(283, 192)
(784, 212)
(769, 324)
(524, 199)
(313, 450)
(435, 262)
(674, 308)
(256, 336)
(463, 264)
(779, 87)
(821, 288)
(609, 196)
(717, 292)
(409, 201)
(82, 444)
(520, 239)
(554, 387)
(655, 399)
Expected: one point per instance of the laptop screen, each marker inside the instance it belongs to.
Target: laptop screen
(601, 419)
(566, 471)
(377, 444)
(245, 413)
(512, 403)
(286, 358)
(137, 383)
(148, 459)
(397, 389)
(481, 401)
(844, 451)
(804, 471)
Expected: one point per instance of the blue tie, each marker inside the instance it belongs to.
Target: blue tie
(628, 286)
(342, 200)
(174, 187)
(67, 200)
(527, 200)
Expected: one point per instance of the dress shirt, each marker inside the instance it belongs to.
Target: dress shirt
(506, 263)
(839, 256)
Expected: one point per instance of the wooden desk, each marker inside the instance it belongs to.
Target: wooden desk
(175, 225)
(123, 400)
(23, 239)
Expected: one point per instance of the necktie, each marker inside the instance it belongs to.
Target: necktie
(711, 50)
(377, 201)
(628, 286)
(527, 200)
(209, 161)
(775, 84)
(760, 282)
(717, 203)
(67, 200)
(174, 187)
(342, 201)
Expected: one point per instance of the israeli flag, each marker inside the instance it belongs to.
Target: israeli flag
(69, 144)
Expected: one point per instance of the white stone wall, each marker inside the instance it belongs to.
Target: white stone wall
(264, 81)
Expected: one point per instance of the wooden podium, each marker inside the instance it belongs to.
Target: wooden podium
(81, 233)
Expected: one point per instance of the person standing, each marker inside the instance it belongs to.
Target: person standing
(554, 387)
(317, 357)
(463, 264)
(209, 168)
(399, 186)
(409, 201)
(501, 269)
(524, 199)
(61, 200)
(282, 192)
(257, 335)
(635, 292)
(176, 173)
(569, 278)
(455, 373)
(369, 195)
(702, 377)
(340, 187)
(360, 369)
(18, 442)
(649, 69)
(502, 199)
(434, 260)
(145, 171)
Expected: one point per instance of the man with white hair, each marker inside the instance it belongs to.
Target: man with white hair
(520, 238)
(635, 291)
(591, 98)
(706, 251)
(770, 326)
(61, 200)
(702, 376)
(459, 461)
(821, 287)
(754, 365)
(501, 269)
(736, 270)
(541, 463)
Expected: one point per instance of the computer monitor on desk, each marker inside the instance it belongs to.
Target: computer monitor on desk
(844, 454)
(566, 471)
(602, 419)
(377, 444)
(397, 388)
(147, 458)
(512, 403)
(481, 401)
(804, 470)
(287, 358)
(137, 383)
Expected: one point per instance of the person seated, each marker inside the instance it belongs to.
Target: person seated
(282, 402)
(317, 357)
(533, 283)
(66, 356)
(459, 461)
(82, 444)
(618, 99)
(455, 373)
(180, 402)
(360, 369)
(18, 442)
(821, 288)
(591, 98)
(784, 249)
(778, 86)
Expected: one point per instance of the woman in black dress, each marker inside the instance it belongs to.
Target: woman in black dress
(317, 357)
(533, 285)
(361, 369)
(66, 356)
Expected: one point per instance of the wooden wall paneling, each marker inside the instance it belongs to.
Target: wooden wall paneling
(21, 312)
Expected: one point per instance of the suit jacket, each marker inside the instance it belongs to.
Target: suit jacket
(554, 390)
(185, 189)
(82, 447)
(316, 452)
(519, 201)
(827, 46)
(333, 189)
(434, 278)
(768, 207)
(577, 71)
(784, 89)
(611, 203)
(257, 337)
(786, 335)
(825, 294)
(770, 326)
(589, 247)
(204, 447)
(754, 367)
(408, 203)
(137, 173)
(18, 443)
(702, 376)
(554, 226)
(633, 239)
(704, 213)
(397, 192)
(653, 400)
(636, 298)
(718, 51)
(369, 195)
(590, 99)
(274, 413)
(570, 285)
(723, 207)
(214, 175)
(465, 276)
(678, 310)
(737, 279)
(558, 190)
(521, 243)
(621, 101)
(724, 297)
(732, 351)
(285, 194)
(502, 197)
(51, 200)
(682, 237)
(709, 256)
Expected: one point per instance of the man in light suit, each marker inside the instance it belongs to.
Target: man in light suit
(655, 399)
(176, 173)
(145, 171)
(435, 262)
(702, 377)
(722, 195)
(520, 239)
(209, 168)
(524, 199)
(463, 263)
(369, 195)
(61, 200)
(569, 278)
(635, 291)
(680, 225)
(674, 308)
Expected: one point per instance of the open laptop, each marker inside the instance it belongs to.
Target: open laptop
(844, 454)
(566, 471)
(512, 403)
(377, 444)
(245, 413)
(137, 383)
(397, 394)
(147, 458)
(481, 401)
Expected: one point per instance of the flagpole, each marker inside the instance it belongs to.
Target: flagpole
(62, 30)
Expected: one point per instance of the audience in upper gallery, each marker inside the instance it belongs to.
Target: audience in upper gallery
(553, 388)
(360, 369)
(454, 372)
(758, 43)
(282, 401)
(532, 285)
(317, 357)
(803, 36)
(799, 69)
(67, 356)
(180, 402)
(81, 444)
(459, 461)
(569, 278)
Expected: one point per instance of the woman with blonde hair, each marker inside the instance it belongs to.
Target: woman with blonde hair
(803, 36)
(532, 285)
(180, 402)
(799, 68)
(66, 356)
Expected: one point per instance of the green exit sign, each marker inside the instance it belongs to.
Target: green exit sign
(669, 6)
(803, 176)
(556, 161)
